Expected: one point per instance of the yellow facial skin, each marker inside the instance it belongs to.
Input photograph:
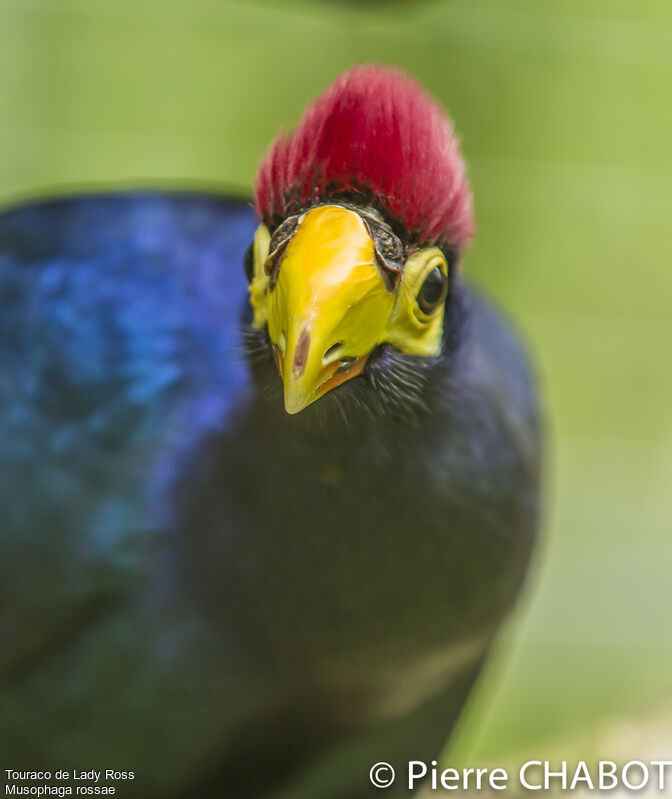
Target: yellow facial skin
(409, 328)
(330, 307)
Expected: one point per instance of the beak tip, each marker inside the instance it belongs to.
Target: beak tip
(294, 404)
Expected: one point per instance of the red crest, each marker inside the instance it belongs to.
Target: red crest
(376, 133)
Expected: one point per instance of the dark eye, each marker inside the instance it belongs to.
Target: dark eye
(249, 262)
(433, 291)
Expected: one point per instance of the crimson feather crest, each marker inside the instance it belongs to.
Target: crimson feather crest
(375, 134)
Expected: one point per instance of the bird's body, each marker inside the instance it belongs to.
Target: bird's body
(198, 587)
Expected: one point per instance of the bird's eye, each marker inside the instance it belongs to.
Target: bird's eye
(249, 262)
(433, 291)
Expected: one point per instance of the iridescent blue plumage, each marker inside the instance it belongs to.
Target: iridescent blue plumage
(193, 581)
(119, 347)
(120, 320)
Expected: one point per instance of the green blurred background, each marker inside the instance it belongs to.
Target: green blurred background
(564, 111)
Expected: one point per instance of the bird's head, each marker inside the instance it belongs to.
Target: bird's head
(365, 211)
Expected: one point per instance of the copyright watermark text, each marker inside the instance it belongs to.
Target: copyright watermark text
(534, 775)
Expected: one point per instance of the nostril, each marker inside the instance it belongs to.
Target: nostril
(332, 353)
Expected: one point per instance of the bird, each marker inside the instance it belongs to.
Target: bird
(270, 470)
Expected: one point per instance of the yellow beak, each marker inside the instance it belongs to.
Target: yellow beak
(329, 307)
